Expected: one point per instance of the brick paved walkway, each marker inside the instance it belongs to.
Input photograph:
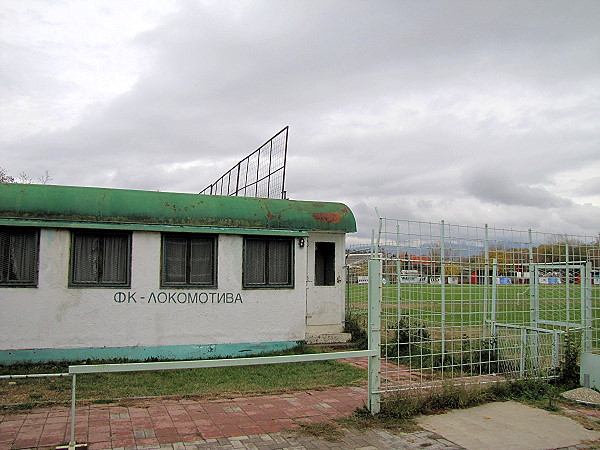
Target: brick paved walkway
(263, 422)
(244, 422)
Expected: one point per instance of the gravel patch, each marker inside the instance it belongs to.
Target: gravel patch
(583, 395)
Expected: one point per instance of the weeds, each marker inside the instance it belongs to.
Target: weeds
(408, 339)
(568, 370)
(330, 431)
(356, 326)
(407, 405)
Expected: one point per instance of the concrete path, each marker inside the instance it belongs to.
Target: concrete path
(509, 425)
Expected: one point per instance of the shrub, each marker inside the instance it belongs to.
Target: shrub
(356, 326)
(568, 369)
(409, 339)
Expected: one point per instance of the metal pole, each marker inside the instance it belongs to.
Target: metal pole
(486, 256)
(494, 294)
(568, 287)
(269, 171)
(534, 304)
(523, 346)
(398, 269)
(378, 234)
(375, 288)
(586, 313)
(555, 348)
(284, 162)
(372, 243)
(72, 441)
(443, 279)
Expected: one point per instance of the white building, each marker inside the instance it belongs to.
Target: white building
(104, 273)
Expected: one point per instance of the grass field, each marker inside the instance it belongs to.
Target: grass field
(467, 307)
(206, 383)
(456, 336)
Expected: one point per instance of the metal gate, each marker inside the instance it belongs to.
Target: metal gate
(467, 305)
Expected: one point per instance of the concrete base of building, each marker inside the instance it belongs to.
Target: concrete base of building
(140, 353)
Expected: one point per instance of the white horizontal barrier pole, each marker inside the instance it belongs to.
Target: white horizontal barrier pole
(35, 375)
(198, 364)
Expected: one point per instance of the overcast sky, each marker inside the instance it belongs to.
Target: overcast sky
(473, 112)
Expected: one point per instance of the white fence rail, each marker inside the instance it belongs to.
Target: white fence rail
(196, 364)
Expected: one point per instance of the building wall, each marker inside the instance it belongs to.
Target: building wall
(54, 316)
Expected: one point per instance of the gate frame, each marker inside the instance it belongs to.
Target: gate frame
(535, 327)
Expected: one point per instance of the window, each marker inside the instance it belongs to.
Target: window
(268, 262)
(18, 256)
(324, 264)
(188, 260)
(100, 259)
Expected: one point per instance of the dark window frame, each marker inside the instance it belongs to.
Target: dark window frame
(101, 282)
(268, 282)
(188, 238)
(5, 258)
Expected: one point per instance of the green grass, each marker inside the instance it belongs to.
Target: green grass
(466, 304)
(207, 383)
(399, 410)
(468, 309)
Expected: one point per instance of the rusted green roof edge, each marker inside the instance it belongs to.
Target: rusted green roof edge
(76, 204)
(143, 227)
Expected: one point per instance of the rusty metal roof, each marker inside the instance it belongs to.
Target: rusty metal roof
(114, 207)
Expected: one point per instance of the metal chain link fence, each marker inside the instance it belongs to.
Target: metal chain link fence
(475, 304)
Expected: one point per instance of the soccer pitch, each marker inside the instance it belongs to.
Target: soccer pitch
(470, 305)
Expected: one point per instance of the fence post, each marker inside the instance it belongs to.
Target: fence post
(523, 348)
(586, 308)
(72, 441)
(568, 284)
(398, 272)
(443, 286)
(494, 294)
(556, 349)
(534, 305)
(486, 268)
(374, 329)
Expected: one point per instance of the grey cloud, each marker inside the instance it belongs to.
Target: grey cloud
(589, 187)
(391, 104)
(496, 185)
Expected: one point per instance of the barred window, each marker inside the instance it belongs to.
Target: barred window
(188, 261)
(18, 257)
(268, 262)
(100, 259)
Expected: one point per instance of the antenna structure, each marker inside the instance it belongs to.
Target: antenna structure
(260, 174)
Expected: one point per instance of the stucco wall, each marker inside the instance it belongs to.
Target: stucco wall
(55, 316)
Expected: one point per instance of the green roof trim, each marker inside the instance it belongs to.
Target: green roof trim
(151, 227)
(74, 204)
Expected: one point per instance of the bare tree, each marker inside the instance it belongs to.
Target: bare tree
(6, 177)
(561, 239)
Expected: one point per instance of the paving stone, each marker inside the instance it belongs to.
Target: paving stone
(240, 423)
